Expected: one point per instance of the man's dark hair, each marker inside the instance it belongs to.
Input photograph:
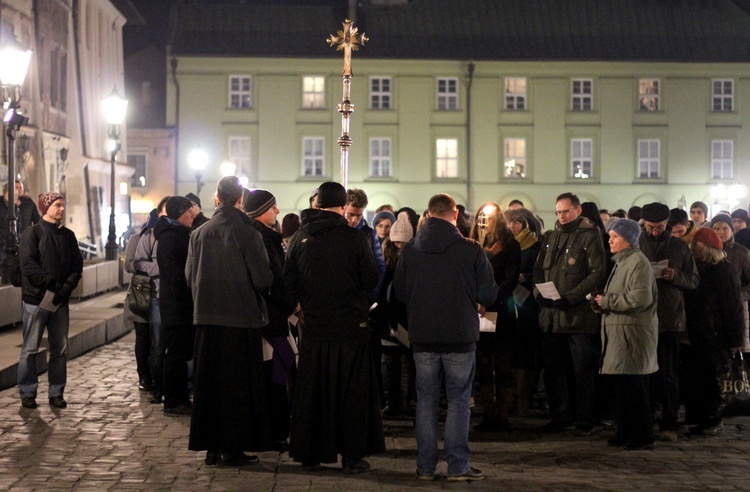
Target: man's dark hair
(516, 202)
(574, 200)
(441, 205)
(634, 213)
(619, 213)
(356, 198)
(229, 190)
(677, 216)
(162, 203)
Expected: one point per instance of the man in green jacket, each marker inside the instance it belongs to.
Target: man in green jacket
(572, 257)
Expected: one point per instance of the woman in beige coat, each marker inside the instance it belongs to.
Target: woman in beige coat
(629, 335)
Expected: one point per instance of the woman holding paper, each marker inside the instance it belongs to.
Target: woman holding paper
(496, 382)
(630, 331)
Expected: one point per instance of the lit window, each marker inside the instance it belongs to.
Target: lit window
(380, 93)
(313, 156)
(239, 155)
(515, 158)
(648, 158)
(648, 94)
(581, 158)
(723, 95)
(515, 93)
(722, 152)
(447, 94)
(240, 91)
(380, 157)
(313, 92)
(447, 158)
(138, 161)
(582, 95)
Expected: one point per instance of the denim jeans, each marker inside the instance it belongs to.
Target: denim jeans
(569, 367)
(156, 354)
(35, 320)
(458, 370)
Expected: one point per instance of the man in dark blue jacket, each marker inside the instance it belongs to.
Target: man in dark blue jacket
(441, 278)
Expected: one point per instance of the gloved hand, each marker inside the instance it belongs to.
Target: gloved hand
(63, 294)
(544, 302)
(561, 304)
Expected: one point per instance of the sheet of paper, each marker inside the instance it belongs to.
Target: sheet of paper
(267, 350)
(46, 303)
(293, 319)
(520, 294)
(659, 268)
(488, 322)
(401, 335)
(548, 290)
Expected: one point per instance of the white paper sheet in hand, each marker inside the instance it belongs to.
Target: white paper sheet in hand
(46, 303)
(548, 290)
(488, 323)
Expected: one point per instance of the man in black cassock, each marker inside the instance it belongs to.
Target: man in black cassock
(329, 269)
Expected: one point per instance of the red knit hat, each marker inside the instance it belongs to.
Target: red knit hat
(46, 199)
(708, 237)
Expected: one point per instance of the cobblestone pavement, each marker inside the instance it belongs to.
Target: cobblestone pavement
(111, 438)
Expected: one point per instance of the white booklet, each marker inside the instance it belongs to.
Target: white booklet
(659, 268)
(520, 294)
(47, 304)
(488, 322)
(548, 290)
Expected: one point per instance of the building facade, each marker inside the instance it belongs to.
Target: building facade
(595, 109)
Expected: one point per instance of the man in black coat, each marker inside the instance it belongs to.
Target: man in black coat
(27, 213)
(175, 302)
(51, 267)
(329, 269)
(279, 369)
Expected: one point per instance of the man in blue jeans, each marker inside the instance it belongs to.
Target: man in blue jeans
(51, 267)
(441, 278)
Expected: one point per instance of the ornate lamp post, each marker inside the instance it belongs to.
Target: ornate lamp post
(114, 107)
(198, 160)
(347, 40)
(14, 62)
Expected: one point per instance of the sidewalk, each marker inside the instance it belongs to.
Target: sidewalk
(111, 438)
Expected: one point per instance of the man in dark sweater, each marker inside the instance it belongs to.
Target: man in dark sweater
(51, 266)
(441, 278)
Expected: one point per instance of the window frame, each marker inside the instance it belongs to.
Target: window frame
(721, 97)
(133, 179)
(446, 94)
(579, 97)
(513, 97)
(241, 93)
(383, 97)
(583, 159)
(722, 161)
(243, 161)
(644, 96)
(315, 98)
(312, 158)
(506, 156)
(443, 163)
(649, 160)
(380, 160)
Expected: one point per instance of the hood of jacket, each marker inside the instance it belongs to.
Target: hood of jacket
(166, 224)
(580, 223)
(316, 221)
(436, 236)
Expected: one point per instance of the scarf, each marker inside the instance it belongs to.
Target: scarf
(526, 239)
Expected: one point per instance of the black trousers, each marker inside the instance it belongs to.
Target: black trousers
(179, 340)
(635, 423)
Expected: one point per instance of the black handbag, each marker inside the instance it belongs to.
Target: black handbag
(139, 293)
(735, 389)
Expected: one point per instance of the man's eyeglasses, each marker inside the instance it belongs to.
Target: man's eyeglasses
(656, 228)
(564, 212)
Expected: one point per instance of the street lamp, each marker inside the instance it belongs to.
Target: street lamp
(114, 107)
(14, 62)
(198, 160)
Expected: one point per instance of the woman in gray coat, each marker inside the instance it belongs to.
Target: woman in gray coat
(630, 332)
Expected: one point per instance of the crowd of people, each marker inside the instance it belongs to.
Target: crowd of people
(302, 335)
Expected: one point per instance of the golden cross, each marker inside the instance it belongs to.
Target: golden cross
(347, 40)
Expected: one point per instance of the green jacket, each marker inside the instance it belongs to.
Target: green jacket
(630, 327)
(572, 256)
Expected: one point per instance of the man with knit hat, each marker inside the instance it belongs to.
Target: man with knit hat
(680, 275)
(227, 269)
(51, 267)
(199, 219)
(289, 225)
(260, 206)
(175, 302)
(699, 214)
(329, 269)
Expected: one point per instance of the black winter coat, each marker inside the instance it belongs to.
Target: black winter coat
(506, 267)
(329, 269)
(49, 257)
(279, 300)
(175, 297)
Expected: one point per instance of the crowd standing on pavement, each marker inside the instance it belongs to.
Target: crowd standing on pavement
(302, 335)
